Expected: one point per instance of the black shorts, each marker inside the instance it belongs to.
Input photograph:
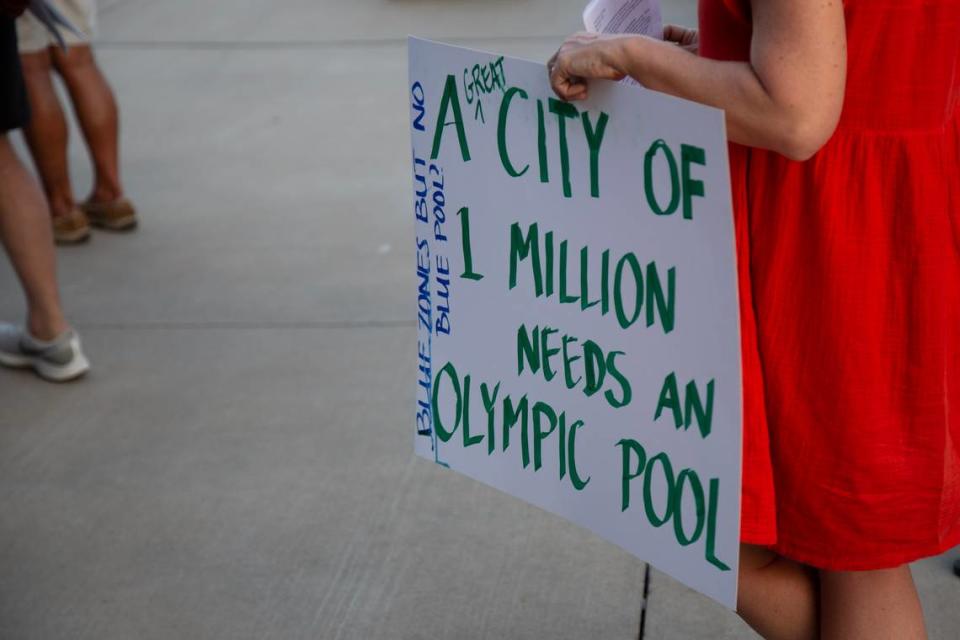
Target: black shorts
(14, 112)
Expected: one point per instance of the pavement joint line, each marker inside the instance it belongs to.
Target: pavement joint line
(245, 326)
(292, 45)
(646, 599)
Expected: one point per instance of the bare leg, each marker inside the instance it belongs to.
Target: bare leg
(26, 235)
(777, 597)
(47, 132)
(97, 112)
(870, 605)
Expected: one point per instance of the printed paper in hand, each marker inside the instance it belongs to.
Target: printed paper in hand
(624, 16)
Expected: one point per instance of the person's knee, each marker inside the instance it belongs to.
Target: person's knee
(77, 57)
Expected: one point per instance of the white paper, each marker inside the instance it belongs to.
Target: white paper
(624, 16)
(492, 145)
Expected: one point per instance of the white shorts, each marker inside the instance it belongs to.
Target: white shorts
(33, 36)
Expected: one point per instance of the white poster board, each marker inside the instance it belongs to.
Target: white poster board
(577, 305)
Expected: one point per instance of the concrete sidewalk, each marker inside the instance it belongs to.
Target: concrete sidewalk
(235, 466)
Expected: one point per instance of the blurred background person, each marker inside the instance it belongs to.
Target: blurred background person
(47, 344)
(96, 109)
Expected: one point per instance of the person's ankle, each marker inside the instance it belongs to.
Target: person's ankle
(105, 193)
(61, 206)
(46, 328)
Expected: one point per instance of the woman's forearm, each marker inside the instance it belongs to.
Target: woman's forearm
(754, 117)
(787, 97)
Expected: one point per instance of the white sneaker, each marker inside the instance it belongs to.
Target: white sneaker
(58, 360)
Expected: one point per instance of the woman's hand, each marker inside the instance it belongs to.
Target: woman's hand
(688, 39)
(592, 56)
(584, 57)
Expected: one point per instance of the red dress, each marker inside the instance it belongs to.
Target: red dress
(850, 292)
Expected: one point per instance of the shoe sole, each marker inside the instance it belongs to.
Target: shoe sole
(49, 372)
(73, 237)
(121, 224)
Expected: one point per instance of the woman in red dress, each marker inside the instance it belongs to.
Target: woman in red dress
(844, 119)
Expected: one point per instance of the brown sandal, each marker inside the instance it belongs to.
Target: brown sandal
(72, 228)
(118, 215)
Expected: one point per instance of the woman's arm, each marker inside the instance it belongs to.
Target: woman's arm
(787, 98)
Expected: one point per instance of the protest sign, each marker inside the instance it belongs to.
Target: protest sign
(577, 305)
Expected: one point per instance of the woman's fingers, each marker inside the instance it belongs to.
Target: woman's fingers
(566, 86)
(674, 33)
(686, 38)
(563, 82)
(569, 89)
(570, 72)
